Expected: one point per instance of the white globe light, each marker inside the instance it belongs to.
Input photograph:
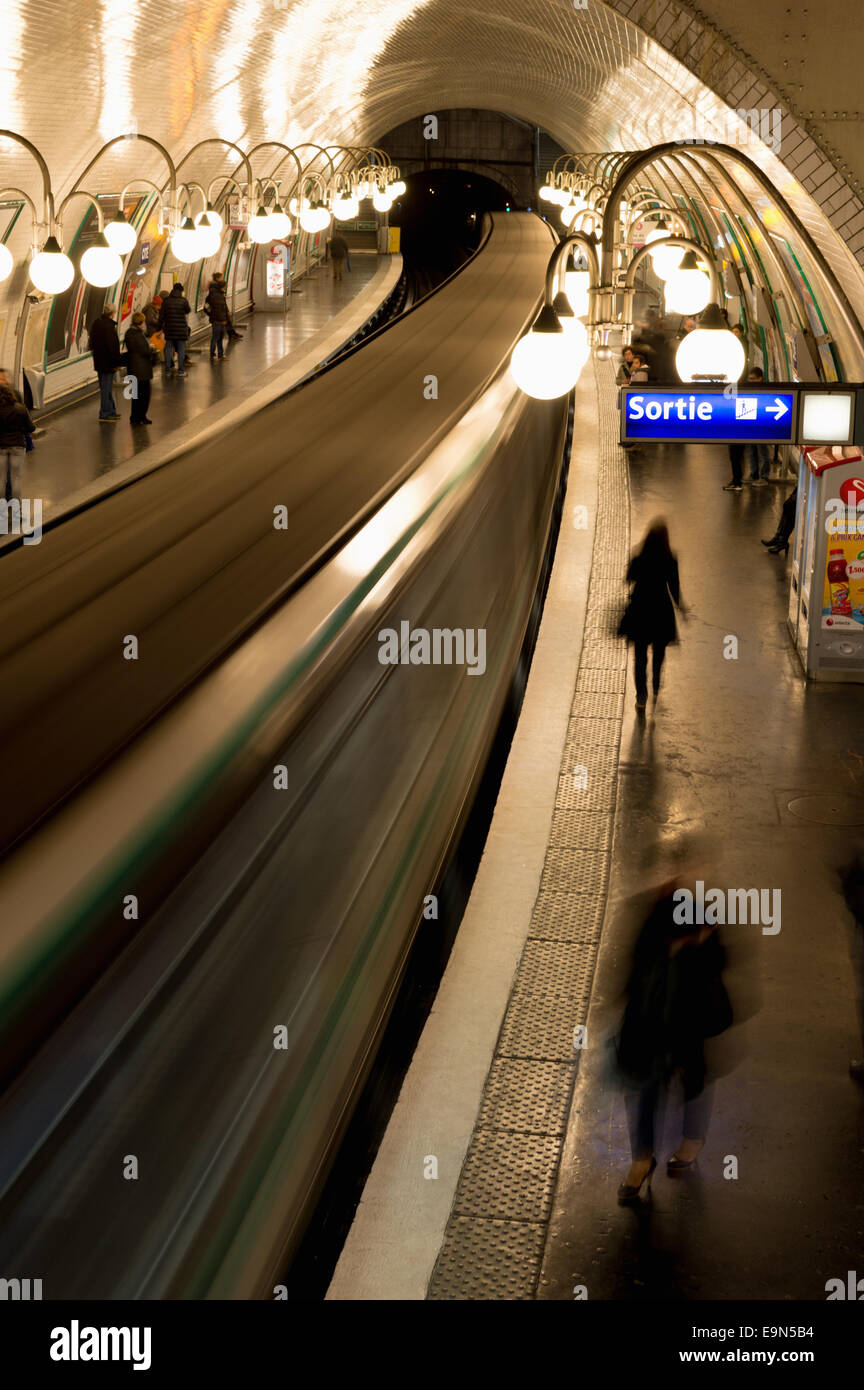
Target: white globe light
(665, 259)
(214, 218)
(576, 286)
(259, 227)
(185, 243)
(568, 214)
(6, 261)
(713, 353)
(280, 222)
(345, 208)
(688, 289)
(101, 266)
(209, 239)
(51, 270)
(545, 365)
(398, 188)
(547, 193)
(381, 201)
(120, 236)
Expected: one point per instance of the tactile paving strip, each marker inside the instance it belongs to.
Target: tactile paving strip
(495, 1237)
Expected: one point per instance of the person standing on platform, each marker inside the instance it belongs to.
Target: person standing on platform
(105, 347)
(173, 321)
(852, 885)
(338, 248)
(758, 454)
(141, 359)
(649, 618)
(785, 526)
(15, 426)
(676, 999)
(216, 308)
(151, 315)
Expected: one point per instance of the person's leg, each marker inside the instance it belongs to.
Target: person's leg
(736, 459)
(107, 408)
(143, 399)
(169, 354)
(698, 1104)
(16, 472)
(181, 354)
(658, 652)
(214, 330)
(645, 1122)
(751, 457)
(764, 453)
(222, 334)
(640, 671)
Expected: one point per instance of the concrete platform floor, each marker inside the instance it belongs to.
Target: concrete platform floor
(731, 744)
(75, 449)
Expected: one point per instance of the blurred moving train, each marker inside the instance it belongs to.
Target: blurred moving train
(219, 851)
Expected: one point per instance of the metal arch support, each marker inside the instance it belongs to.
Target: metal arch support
(148, 140)
(217, 140)
(80, 193)
(131, 184)
(278, 144)
(25, 197)
(560, 253)
(47, 195)
(309, 145)
(644, 158)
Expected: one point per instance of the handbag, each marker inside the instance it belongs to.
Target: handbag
(157, 340)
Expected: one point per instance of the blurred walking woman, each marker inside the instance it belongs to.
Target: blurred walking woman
(676, 998)
(649, 618)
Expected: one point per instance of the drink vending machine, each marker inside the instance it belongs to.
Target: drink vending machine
(826, 600)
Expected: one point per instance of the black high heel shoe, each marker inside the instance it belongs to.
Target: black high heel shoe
(775, 540)
(628, 1194)
(675, 1166)
(780, 545)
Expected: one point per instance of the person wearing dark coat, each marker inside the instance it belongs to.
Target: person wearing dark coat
(172, 320)
(338, 248)
(141, 359)
(676, 999)
(649, 618)
(105, 347)
(15, 426)
(216, 308)
(151, 316)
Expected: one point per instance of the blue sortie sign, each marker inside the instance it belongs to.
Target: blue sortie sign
(710, 416)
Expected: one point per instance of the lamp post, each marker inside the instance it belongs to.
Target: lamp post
(547, 360)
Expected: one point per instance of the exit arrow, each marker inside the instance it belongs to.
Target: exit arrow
(778, 409)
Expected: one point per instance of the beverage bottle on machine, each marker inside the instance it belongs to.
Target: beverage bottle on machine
(838, 583)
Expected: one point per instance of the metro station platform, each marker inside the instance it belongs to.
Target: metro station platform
(76, 458)
(528, 1138)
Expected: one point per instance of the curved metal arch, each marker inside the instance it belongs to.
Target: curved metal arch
(278, 144)
(131, 184)
(217, 140)
(25, 197)
(47, 194)
(644, 158)
(148, 140)
(309, 145)
(80, 193)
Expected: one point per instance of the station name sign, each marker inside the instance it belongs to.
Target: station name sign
(752, 413)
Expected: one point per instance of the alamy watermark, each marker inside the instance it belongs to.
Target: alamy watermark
(743, 126)
(440, 646)
(722, 906)
(22, 517)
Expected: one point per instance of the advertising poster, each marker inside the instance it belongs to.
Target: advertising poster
(843, 593)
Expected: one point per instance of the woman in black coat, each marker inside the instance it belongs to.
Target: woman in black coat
(649, 618)
(676, 998)
(172, 320)
(141, 359)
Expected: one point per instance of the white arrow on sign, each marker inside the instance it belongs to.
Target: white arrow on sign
(778, 409)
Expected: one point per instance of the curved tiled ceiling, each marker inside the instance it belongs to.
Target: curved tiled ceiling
(349, 70)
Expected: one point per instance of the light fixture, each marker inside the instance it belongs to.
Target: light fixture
(543, 363)
(6, 261)
(568, 214)
(100, 265)
(381, 200)
(398, 188)
(119, 235)
(185, 243)
(574, 329)
(314, 219)
(547, 193)
(665, 259)
(688, 289)
(280, 222)
(711, 352)
(345, 207)
(209, 239)
(51, 269)
(577, 281)
(214, 218)
(259, 226)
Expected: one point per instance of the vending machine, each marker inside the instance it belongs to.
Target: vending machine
(826, 600)
(272, 278)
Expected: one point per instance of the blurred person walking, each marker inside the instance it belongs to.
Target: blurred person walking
(141, 359)
(338, 248)
(676, 999)
(173, 321)
(105, 347)
(649, 617)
